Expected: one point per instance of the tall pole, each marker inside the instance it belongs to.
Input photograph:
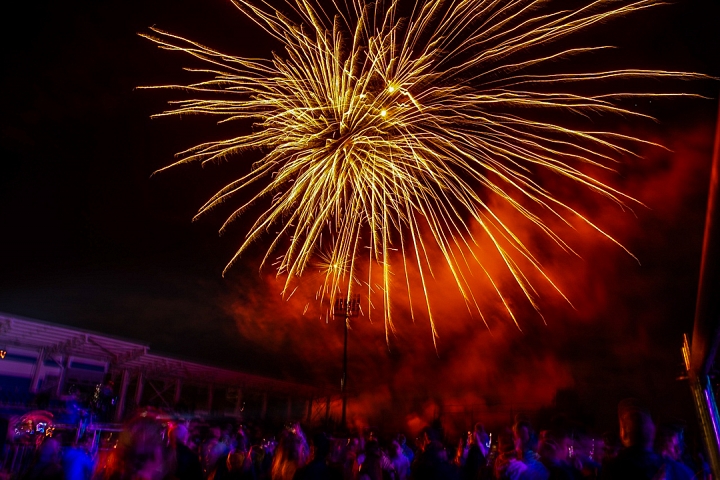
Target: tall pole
(706, 331)
(700, 355)
(343, 385)
(346, 308)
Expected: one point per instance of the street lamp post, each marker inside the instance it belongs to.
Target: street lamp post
(346, 308)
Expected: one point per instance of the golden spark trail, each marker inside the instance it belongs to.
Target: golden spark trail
(381, 133)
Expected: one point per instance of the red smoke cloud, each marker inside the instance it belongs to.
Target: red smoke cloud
(620, 337)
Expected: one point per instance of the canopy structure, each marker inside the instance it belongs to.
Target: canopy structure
(49, 358)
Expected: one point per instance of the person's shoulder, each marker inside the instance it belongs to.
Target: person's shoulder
(302, 473)
(515, 467)
(536, 470)
(677, 470)
(632, 463)
(633, 454)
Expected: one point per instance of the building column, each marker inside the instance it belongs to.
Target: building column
(263, 408)
(64, 365)
(238, 402)
(124, 382)
(37, 368)
(139, 389)
(178, 392)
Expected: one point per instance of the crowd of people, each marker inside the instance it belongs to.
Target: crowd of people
(149, 449)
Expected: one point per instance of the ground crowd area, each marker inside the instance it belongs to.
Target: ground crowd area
(154, 446)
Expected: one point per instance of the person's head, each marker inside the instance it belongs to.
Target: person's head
(429, 435)
(353, 444)
(372, 447)
(523, 435)
(636, 426)
(242, 442)
(401, 440)
(556, 445)
(395, 449)
(549, 449)
(506, 443)
(49, 451)
(480, 438)
(143, 450)
(609, 445)
(180, 433)
(237, 461)
(435, 452)
(321, 446)
(669, 442)
(291, 453)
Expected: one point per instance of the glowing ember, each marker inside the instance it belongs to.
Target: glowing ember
(381, 134)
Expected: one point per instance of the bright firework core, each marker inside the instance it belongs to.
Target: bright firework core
(386, 138)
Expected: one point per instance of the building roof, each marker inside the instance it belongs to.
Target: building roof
(121, 354)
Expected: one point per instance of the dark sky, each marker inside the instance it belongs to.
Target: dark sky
(89, 239)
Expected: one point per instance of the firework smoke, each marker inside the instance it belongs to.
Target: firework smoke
(390, 139)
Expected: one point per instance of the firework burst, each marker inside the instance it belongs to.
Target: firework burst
(386, 132)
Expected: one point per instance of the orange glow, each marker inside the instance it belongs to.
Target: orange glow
(413, 146)
(493, 373)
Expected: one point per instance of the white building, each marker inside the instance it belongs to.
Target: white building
(47, 359)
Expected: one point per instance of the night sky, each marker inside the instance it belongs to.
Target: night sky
(89, 239)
